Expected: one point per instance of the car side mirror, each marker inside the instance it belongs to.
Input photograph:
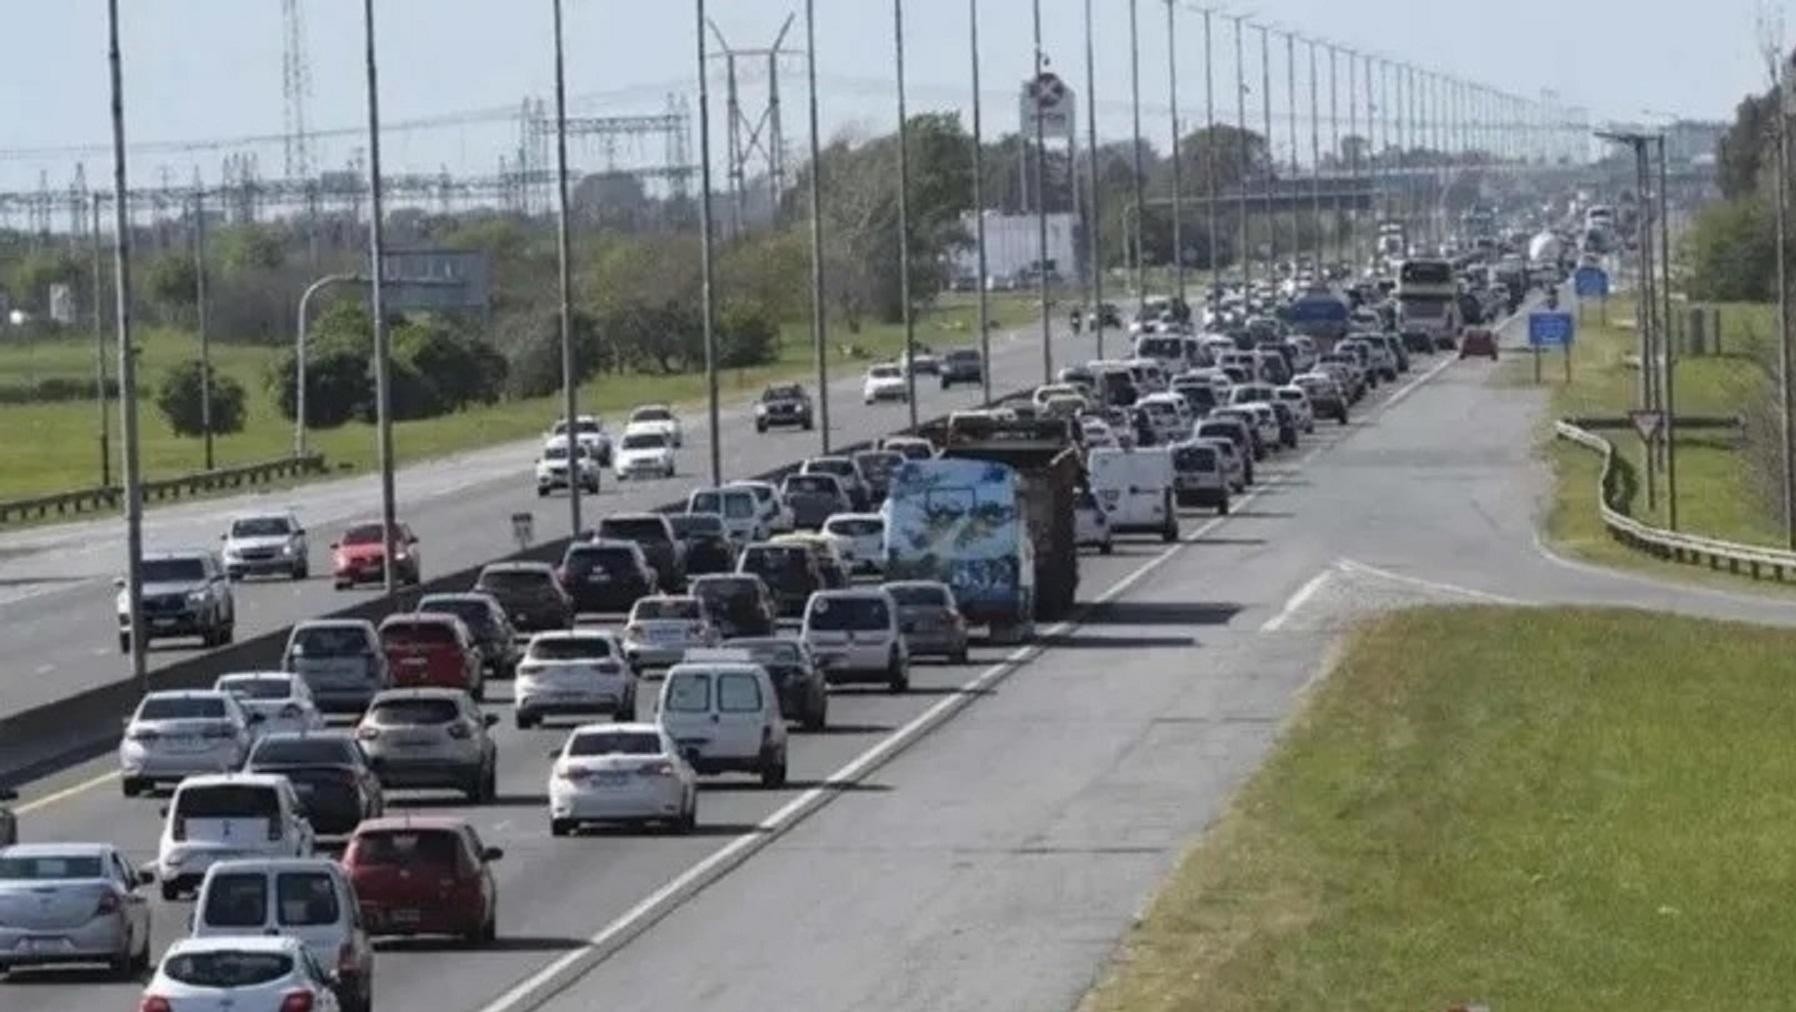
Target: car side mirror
(145, 876)
(492, 854)
(119, 582)
(162, 810)
(334, 546)
(300, 533)
(490, 720)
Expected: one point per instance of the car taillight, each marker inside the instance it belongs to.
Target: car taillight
(657, 769)
(292, 1001)
(573, 774)
(109, 904)
(143, 734)
(366, 733)
(346, 960)
(459, 730)
(154, 1003)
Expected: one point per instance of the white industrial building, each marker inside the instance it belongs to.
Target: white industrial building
(1013, 245)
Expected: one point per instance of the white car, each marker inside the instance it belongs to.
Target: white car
(224, 816)
(657, 418)
(176, 734)
(776, 514)
(855, 636)
(1299, 402)
(743, 519)
(643, 453)
(552, 467)
(1097, 433)
(621, 773)
(885, 383)
(860, 540)
(239, 972)
(281, 699)
(1091, 525)
(266, 543)
(590, 430)
(663, 627)
(582, 671)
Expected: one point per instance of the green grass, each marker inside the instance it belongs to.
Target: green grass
(1506, 806)
(54, 447)
(1715, 497)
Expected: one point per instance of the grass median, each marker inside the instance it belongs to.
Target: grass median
(54, 447)
(1527, 808)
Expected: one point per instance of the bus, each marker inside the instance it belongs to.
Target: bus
(1427, 302)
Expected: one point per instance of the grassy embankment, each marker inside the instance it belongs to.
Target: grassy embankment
(54, 447)
(1532, 809)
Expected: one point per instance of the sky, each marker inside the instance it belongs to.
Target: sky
(206, 69)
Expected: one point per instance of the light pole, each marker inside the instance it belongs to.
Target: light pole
(706, 295)
(100, 397)
(1242, 156)
(819, 324)
(985, 328)
(1094, 244)
(1135, 103)
(1041, 205)
(200, 321)
(1781, 85)
(1667, 400)
(1210, 146)
(910, 324)
(1178, 172)
(299, 354)
(1271, 154)
(570, 376)
(1315, 165)
(383, 388)
(127, 358)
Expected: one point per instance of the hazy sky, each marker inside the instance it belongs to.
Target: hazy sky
(199, 69)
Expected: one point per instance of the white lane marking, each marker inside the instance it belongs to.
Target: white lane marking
(1350, 566)
(44, 669)
(1669, 584)
(1296, 601)
(39, 804)
(1408, 388)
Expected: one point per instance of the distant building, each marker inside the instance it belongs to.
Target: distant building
(1013, 246)
(1688, 141)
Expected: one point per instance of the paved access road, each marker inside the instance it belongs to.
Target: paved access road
(57, 626)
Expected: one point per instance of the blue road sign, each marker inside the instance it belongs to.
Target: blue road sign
(1591, 283)
(1551, 330)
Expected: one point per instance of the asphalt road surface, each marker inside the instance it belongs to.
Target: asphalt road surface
(984, 840)
(57, 626)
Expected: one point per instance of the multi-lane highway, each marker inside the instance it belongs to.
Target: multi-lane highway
(57, 628)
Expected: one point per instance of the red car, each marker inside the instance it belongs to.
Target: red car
(426, 649)
(417, 875)
(1478, 341)
(357, 557)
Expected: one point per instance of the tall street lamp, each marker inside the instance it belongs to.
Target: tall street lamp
(910, 320)
(570, 376)
(820, 325)
(706, 295)
(985, 325)
(383, 388)
(127, 358)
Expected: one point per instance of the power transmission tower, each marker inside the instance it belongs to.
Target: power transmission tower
(296, 89)
(761, 137)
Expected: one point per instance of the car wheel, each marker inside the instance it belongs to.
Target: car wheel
(561, 827)
(120, 965)
(773, 773)
(542, 491)
(228, 634)
(171, 891)
(124, 643)
(1222, 506)
(688, 820)
(140, 963)
(489, 932)
(1106, 547)
(897, 674)
(761, 427)
(131, 786)
(301, 571)
(958, 656)
(341, 584)
(815, 717)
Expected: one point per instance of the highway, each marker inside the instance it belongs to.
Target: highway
(57, 626)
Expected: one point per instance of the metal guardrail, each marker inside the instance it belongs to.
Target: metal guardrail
(1759, 561)
(89, 500)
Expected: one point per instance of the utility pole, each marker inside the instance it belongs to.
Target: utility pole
(1135, 103)
(127, 358)
(1041, 204)
(1094, 228)
(1178, 173)
(985, 328)
(1781, 84)
(910, 325)
(1316, 165)
(570, 375)
(100, 397)
(707, 296)
(1354, 249)
(1242, 155)
(200, 321)
(819, 308)
(1210, 147)
(1296, 163)
(1668, 390)
(1271, 154)
(383, 352)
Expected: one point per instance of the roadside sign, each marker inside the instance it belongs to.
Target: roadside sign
(437, 280)
(1551, 330)
(1049, 98)
(1591, 282)
(1647, 423)
(523, 529)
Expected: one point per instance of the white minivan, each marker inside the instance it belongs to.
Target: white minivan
(1135, 487)
(723, 711)
(308, 898)
(224, 816)
(742, 515)
(856, 638)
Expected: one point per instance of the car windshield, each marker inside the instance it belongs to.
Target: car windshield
(257, 687)
(50, 867)
(569, 648)
(329, 641)
(365, 534)
(634, 528)
(768, 651)
(261, 527)
(417, 634)
(321, 751)
(829, 465)
(788, 393)
(476, 615)
(173, 570)
(856, 527)
(963, 355)
(181, 708)
(226, 970)
(686, 609)
(397, 712)
(430, 848)
(652, 414)
(688, 692)
(838, 614)
(688, 525)
(615, 561)
(824, 484)
(884, 372)
(615, 743)
(916, 595)
(1194, 458)
(515, 579)
(226, 801)
(644, 441)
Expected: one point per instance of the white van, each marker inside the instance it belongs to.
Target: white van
(228, 815)
(1135, 487)
(854, 635)
(724, 712)
(309, 898)
(743, 517)
(1169, 414)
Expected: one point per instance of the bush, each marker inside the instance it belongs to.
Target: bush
(746, 336)
(1732, 252)
(54, 390)
(461, 368)
(338, 386)
(180, 400)
(533, 352)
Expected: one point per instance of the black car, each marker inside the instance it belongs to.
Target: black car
(530, 593)
(803, 692)
(877, 467)
(485, 619)
(607, 576)
(708, 548)
(739, 603)
(1199, 395)
(655, 533)
(789, 571)
(814, 498)
(784, 404)
(336, 787)
(962, 365)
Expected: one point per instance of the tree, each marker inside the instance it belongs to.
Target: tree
(34, 274)
(338, 387)
(250, 247)
(612, 201)
(172, 281)
(461, 368)
(1740, 159)
(746, 336)
(1732, 252)
(180, 400)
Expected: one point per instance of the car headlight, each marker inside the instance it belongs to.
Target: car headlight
(760, 409)
(176, 856)
(287, 549)
(196, 597)
(232, 551)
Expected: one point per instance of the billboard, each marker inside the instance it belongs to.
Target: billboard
(437, 280)
(1049, 98)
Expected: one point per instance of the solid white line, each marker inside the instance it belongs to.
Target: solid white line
(1296, 601)
(38, 804)
(1350, 566)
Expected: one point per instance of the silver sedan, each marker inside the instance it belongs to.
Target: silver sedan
(64, 903)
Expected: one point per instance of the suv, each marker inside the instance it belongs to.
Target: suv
(341, 661)
(929, 619)
(845, 470)
(706, 542)
(492, 631)
(429, 648)
(265, 543)
(606, 576)
(530, 593)
(855, 637)
(655, 533)
(431, 738)
(739, 604)
(184, 594)
(662, 628)
(783, 404)
(814, 498)
(580, 671)
(877, 467)
(962, 365)
(553, 466)
(424, 876)
(590, 431)
(791, 572)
